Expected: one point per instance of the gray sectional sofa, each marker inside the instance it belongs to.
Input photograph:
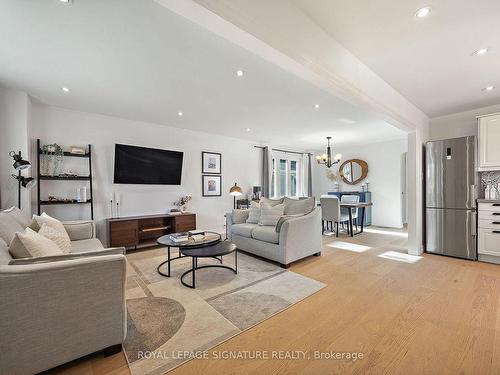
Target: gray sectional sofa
(58, 308)
(297, 237)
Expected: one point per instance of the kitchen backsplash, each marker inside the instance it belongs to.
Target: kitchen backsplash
(490, 185)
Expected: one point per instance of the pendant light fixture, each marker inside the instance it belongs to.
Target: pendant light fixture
(326, 159)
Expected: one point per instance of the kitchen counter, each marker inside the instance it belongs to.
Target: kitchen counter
(488, 201)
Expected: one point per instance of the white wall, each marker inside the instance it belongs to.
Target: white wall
(14, 128)
(241, 163)
(384, 175)
(458, 124)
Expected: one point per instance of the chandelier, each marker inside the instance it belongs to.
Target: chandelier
(326, 159)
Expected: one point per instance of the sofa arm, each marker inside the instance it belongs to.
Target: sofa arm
(71, 256)
(301, 236)
(80, 229)
(55, 312)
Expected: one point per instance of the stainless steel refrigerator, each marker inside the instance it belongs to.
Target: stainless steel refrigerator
(451, 186)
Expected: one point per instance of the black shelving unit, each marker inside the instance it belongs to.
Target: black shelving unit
(41, 177)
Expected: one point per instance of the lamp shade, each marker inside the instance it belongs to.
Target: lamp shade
(26, 182)
(235, 190)
(19, 162)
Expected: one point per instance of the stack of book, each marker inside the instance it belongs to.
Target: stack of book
(197, 235)
(179, 237)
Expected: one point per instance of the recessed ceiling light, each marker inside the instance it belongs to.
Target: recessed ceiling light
(65, 89)
(480, 52)
(180, 114)
(488, 88)
(316, 106)
(66, 1)
(239, 73)
(423, 12)
(248, 129)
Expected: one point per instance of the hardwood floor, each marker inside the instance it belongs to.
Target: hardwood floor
(407, 315)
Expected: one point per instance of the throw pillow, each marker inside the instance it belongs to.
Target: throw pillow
(270, 215)
(31, 244)
(50, 221)
(239, 216)
(18, 216)
(297, 207)
(272, 202)
(8, 227)
(254, 213)
(61, 239)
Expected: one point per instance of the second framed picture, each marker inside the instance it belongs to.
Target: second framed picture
(211, 162)
(211, 186)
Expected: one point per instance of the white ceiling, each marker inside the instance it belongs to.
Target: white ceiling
(427, 60)
(137, 60)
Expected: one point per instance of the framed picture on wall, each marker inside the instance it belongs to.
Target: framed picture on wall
(211, 186)
(211, 162)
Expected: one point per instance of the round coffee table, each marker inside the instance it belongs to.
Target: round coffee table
(211, 246)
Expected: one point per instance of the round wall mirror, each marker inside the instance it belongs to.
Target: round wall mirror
(353, 171)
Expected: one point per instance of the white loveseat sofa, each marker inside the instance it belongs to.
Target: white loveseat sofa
(297, 238)
(59, 308)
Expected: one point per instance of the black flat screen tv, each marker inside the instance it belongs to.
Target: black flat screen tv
(148, 166)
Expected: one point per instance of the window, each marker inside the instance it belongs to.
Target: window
(285, 179)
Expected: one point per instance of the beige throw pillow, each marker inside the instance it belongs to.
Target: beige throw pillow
(38, 221)
(61, 239)
(254, 213)
(31, 244)
(270, 215)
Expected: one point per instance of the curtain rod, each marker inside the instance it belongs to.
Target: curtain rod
(286, 151)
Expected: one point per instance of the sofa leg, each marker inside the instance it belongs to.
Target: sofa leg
(285, 266)
(112, 350)
(317, 254)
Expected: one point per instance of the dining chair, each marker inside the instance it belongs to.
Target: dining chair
(350, 198)
(330, 213)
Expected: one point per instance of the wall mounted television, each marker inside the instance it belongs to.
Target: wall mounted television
(148, 166)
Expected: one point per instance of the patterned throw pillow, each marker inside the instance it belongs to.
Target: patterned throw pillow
(61, 239)
(38, 221)
(270, 215)
(254, 213)
(31, 244)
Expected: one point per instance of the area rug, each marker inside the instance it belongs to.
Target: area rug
(165, 318)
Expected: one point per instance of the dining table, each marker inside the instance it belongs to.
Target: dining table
(350, 206)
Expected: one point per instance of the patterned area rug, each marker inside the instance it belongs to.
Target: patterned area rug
(165, 317)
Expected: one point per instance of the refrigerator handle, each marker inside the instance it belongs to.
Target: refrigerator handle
(473, 223)
(472, 193)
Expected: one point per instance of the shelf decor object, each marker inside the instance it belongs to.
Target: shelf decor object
(54, 151)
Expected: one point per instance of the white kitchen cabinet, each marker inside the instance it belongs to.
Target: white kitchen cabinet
(489, 142)
(488, 234)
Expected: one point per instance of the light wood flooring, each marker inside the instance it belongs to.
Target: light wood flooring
(428, 315)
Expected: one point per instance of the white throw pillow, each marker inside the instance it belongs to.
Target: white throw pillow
(254, 213)
(270, 215)
(38, 221)
(61, 239)
(31, 244)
